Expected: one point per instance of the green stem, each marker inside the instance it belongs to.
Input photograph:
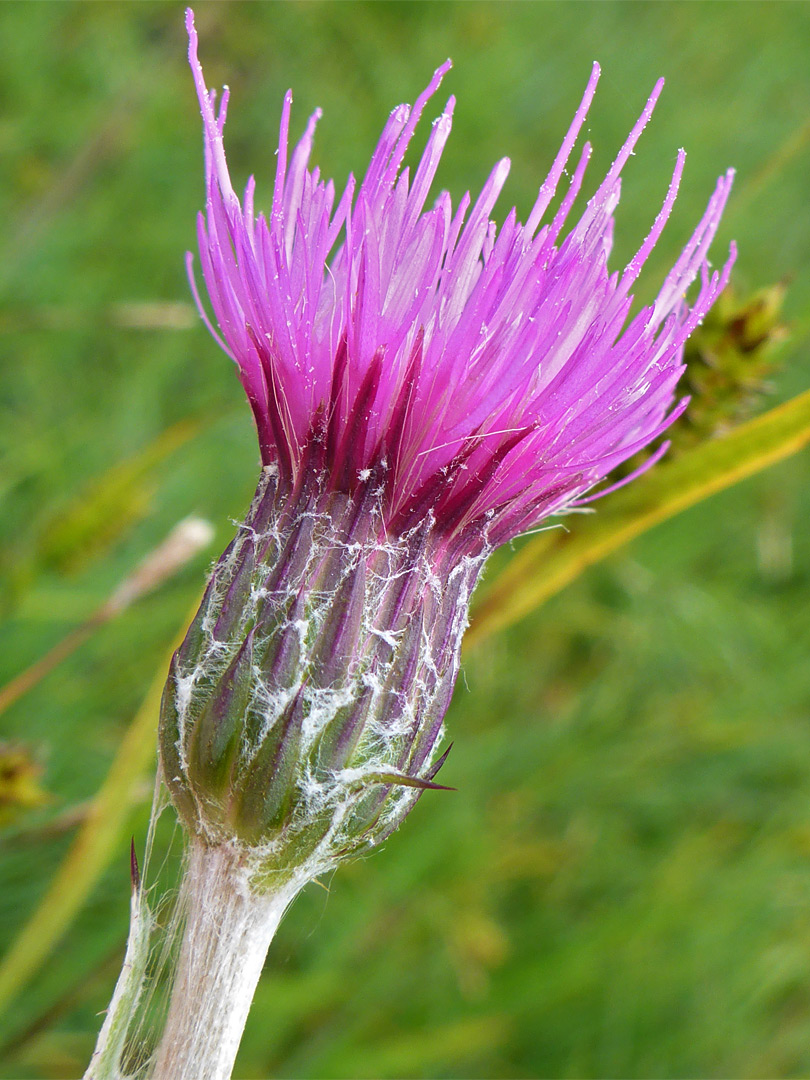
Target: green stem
(229, 927)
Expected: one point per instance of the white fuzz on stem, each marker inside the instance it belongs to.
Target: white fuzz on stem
(228, 930)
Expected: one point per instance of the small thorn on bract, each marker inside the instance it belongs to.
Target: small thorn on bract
(407, 781)
(134, 870)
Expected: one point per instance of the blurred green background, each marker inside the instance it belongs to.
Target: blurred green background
(621, 884)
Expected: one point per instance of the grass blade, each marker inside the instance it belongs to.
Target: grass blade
(551, 561)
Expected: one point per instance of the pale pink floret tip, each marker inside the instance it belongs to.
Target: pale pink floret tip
(483, 377)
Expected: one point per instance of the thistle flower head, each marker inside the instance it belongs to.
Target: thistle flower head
(492, 374)
(425, 386)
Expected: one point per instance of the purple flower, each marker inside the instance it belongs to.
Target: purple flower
(425, 387)
(493, 374)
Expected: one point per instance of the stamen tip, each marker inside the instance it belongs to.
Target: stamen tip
(191, 30)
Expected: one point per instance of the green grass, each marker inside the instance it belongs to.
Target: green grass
(621, 884)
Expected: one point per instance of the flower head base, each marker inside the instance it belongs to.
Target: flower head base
(425, 387)
(304, 707)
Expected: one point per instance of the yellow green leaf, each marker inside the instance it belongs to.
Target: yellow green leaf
(554, 558)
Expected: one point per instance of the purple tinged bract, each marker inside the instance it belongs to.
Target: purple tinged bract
(492, 374)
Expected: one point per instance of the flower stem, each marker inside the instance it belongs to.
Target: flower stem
(229, 927)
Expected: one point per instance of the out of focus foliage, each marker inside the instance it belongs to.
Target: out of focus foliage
(20, 783)
(730, 361)
(621, 884)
